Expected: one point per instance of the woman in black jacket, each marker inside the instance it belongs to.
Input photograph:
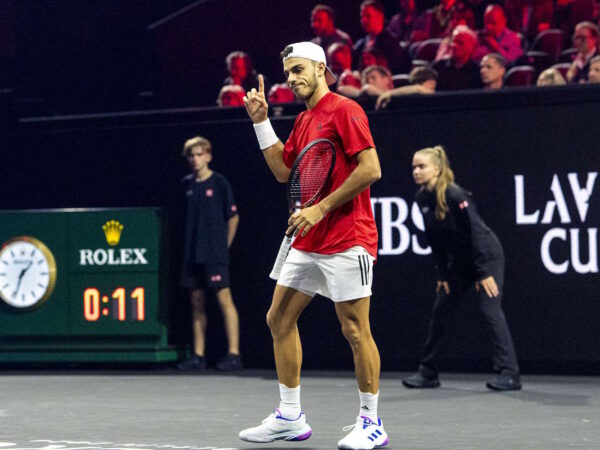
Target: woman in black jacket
(467, 254)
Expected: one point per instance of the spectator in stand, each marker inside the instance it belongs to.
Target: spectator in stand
(349, 78)
(529, 17)
(374, 81)
(594, 74)
(241, 71)
(373, 57)
(492, 70)
(551, 77)
(458, 71)
(322, 22)
(340, 58)
(444, 18)
(422, 80)
(281, 93)
(585, 40)
(372, 17)
(496, 38)
(231, 95)
(407, 21)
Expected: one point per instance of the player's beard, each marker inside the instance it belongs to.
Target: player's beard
(311, 86)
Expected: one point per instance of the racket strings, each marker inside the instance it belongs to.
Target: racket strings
(311, 174)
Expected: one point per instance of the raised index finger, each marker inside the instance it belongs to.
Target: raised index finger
(261, 84)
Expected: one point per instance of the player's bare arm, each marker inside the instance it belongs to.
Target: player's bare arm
(257, 109)
(366, 173)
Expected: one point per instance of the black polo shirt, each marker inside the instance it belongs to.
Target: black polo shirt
(209, 206)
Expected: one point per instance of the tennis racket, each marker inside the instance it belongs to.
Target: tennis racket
(310, 174)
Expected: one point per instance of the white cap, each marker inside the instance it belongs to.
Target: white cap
(313, 52)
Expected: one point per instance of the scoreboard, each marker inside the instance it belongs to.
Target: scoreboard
(81, 285)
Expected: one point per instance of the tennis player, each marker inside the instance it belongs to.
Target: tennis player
(467, 255)
(334, 250)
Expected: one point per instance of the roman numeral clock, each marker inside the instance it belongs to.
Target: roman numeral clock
(84, 285)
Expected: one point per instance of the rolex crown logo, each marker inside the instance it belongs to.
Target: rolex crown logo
(112, 231)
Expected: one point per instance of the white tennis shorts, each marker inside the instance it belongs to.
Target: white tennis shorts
(340, 277)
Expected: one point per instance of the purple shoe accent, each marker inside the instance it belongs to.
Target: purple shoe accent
(302, 437)
(279, 416)
(384, 444)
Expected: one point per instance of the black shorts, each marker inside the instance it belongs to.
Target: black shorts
(203, 276)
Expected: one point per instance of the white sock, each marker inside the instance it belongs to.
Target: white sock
(289, 401)
(368, 405)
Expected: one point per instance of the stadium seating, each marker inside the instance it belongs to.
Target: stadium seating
(520, 76)
(549, 41)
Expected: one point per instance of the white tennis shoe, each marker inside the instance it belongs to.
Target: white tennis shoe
(275, 428)
(365, 435)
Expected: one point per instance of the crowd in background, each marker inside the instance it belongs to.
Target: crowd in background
(456, 45)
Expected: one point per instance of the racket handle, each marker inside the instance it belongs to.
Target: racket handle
(284, 249)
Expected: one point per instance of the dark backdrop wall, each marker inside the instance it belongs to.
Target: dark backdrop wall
(530, 157)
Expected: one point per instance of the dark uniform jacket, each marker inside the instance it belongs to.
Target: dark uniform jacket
(462, 244)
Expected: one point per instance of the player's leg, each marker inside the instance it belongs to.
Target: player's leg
(354, 319)
(282, 319)
(287, 422)
(347, 281)
(368, 431)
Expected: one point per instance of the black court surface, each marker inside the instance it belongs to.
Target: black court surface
(168, 410)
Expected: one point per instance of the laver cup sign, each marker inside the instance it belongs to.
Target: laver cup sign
(111, 256)
(564, 217)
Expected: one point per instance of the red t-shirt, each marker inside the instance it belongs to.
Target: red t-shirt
(344, 123)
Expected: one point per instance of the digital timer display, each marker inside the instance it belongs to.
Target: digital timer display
(119, 306)
(125, 303)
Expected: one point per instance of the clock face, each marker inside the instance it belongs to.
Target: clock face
(27, 272)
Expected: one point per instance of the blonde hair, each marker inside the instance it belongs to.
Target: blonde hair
(550, 77)
(445, 177)
(195, 141)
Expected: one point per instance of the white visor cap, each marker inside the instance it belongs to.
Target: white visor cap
(313, 52)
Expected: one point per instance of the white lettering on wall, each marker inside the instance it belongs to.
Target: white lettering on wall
(522, 217)
(395, 233)
(580, 244)
(112, 257)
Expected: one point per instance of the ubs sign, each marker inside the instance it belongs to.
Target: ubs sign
(397, 224)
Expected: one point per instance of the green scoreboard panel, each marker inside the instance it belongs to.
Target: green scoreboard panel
(83, 285)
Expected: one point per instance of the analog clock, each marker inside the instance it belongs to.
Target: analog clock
(27, 272)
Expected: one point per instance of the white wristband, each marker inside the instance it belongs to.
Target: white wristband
(265, 134)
